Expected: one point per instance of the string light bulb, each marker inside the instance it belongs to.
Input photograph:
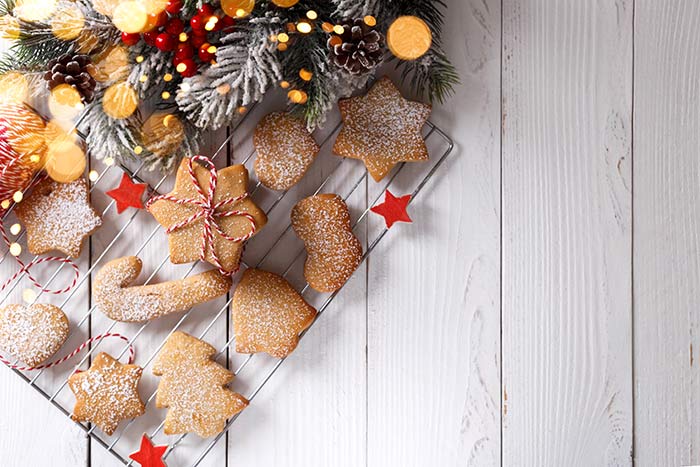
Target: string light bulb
(304, 27)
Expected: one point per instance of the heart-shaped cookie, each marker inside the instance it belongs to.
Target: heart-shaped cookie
(32, 333)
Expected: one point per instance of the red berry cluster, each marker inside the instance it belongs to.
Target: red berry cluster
(165, 30)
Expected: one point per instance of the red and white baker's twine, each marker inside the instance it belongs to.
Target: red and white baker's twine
(72, 354)
(11, 169)
(208, 212)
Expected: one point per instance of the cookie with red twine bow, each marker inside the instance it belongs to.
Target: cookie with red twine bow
(209, 214)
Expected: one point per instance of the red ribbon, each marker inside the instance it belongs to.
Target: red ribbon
(208, 212)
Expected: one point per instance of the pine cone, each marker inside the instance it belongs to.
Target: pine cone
(73, 70)
(361, 48)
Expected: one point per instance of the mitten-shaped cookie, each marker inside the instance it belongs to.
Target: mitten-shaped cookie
(322, 222)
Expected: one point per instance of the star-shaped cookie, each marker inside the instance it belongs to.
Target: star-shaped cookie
(106, 393)
(382, 129)
(186, 243)
(58, 216)
(268, 314)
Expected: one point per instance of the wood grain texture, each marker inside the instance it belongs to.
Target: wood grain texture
(667, 235)
(433, 288)
(567, 89)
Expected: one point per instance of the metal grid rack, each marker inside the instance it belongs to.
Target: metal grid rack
(276, 248)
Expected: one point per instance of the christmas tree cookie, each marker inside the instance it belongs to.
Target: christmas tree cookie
(192, 387)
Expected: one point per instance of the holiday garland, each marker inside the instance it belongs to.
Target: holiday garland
(150, 77)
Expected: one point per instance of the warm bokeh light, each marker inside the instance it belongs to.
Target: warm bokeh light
(65, 161)
(112, 65)
(68, 23)
(34, 10)
(9, 27)
(130, 16)
(65, 102)
(285, 3)
(162, 133)
(409, 37)
(14, 87)
(304, 27)
(305, 74)
(120, 101)
(237, 8)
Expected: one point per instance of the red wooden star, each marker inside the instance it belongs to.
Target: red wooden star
(149, 455)
(128, 194)
(393, 209)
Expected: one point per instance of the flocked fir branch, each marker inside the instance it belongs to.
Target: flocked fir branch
(246, 67)
(248, 62)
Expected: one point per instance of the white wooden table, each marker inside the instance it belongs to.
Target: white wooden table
(543, 309)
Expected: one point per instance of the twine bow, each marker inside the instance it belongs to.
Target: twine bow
(209, 212)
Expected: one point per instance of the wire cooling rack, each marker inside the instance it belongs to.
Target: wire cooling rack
(275, 248)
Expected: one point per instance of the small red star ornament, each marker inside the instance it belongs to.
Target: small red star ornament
(149, 455)
(393, 209)
(128, 194)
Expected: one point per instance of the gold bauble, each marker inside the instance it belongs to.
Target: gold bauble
(163, 134)
(285, 3)
(120, 101)
(130, 16)
(237, 8)
(68, 23)
(409, 37)
(65, 161)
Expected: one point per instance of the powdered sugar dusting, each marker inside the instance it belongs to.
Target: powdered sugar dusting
(285, 150)
(120, 302)
(107, 393)
(58, 216)
(268, 314)
(322, 222)
(192, 387)
(382, 129)
(33, 333)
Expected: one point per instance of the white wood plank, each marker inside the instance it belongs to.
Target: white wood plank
(667, 236)
(433, 287)
(312, 412)
(567, 89)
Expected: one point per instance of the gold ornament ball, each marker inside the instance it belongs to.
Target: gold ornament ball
(65, 161)
(120, 101)
(409, 37)
(237, 8)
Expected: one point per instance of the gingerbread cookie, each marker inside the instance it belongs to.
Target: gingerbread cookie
(120, 302)
(106, 393)
(193, 389)
(285, 150)
(32, 333)
(185, 241)
(322, 222)
(58, 216)
(382, 129)
(268, 314)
